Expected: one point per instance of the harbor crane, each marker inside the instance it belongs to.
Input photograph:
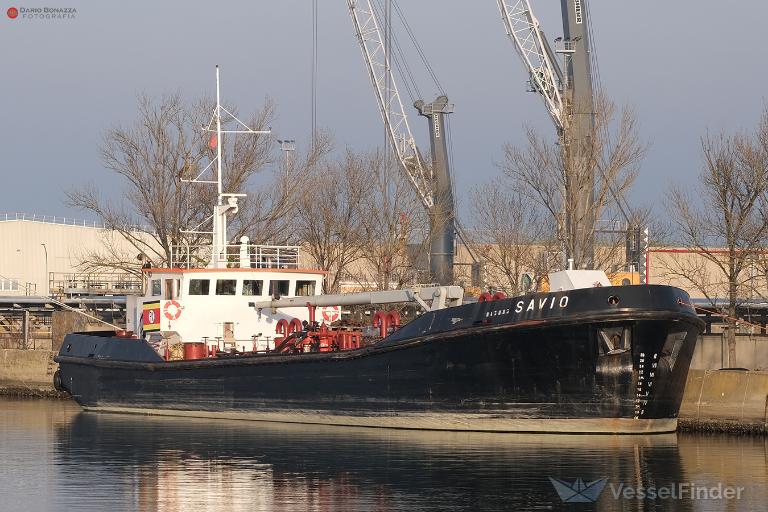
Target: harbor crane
(568, 96)
(432, 182)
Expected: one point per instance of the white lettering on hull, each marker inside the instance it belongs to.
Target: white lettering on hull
(541, 304)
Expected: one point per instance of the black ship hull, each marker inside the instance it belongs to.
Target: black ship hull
(600, 360)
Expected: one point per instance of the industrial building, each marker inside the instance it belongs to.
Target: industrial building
(40, 253)
(40, 274)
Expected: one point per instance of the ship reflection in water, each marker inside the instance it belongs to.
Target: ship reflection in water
(57, 458)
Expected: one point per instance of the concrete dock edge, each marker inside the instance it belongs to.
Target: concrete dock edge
(725, 401)
(27, 372)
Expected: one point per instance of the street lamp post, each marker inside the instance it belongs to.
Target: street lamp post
(287, 146)
(47, 282)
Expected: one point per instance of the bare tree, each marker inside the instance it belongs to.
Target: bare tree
(512, 237)
(724, 220)
(328, 219)
(266, 215)
(392, 218)
(544, 173)
(115, 254)
(164, 145)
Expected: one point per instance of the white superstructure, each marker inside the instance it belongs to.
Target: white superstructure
(208, 293)
(216, 306)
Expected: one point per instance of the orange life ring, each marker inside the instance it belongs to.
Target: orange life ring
(331, 313)
(167, 310)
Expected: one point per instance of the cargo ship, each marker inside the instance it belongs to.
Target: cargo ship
(591, 360)
(260, 342)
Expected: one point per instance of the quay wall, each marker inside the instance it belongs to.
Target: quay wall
(712, 352)
(27, 372)
(725, 401)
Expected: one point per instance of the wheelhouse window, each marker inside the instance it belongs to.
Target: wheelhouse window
(305, 288)
(199, 286)
(280, 287)
(226, 286)
(253, 287)
(156, 287)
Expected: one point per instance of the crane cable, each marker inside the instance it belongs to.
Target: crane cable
(418, 47)
(404, 70)
(388, 59)
(605, 133)
(412, 88)
(313, 80)
(401, 62)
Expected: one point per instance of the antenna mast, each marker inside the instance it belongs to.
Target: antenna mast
(218, 135)
(226, 203)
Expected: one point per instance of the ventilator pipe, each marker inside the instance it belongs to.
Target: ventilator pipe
(282, 326)
(311, 309)
(295, 326)
(381, 320)
(499, 295)
(393, 318)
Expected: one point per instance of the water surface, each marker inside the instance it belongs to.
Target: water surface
(55, 457)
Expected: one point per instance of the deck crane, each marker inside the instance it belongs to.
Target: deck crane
(568, 96)
(431, 182)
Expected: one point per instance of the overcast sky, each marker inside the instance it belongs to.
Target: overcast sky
(685, 66)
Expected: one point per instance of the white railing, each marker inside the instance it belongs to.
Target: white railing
(236, 256)
(69, 284)
(68, 221)
(50, 219)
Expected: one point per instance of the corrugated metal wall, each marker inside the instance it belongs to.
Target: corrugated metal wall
(22, 256)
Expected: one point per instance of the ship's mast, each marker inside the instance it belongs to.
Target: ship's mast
(226, 203)
(220, 211)
(218, 134)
